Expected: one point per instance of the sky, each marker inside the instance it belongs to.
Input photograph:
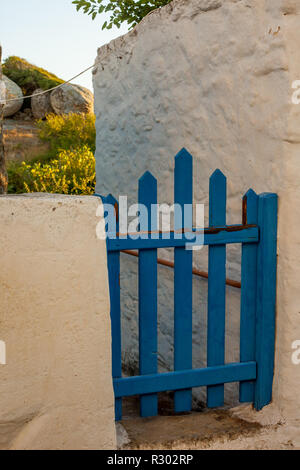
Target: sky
(53, 35)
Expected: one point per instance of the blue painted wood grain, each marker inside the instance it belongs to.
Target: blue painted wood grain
(266, 298)
(183, 276)
(115, 311)
(216, 287)
(248, 296)
(148, 296)
(180, 379)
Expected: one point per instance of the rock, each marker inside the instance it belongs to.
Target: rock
(72, 99)
(12, 91)
(24, 115)
(41, 104)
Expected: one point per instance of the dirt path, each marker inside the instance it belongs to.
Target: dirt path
(21, 141)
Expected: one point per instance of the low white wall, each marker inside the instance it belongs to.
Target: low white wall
(214, 76)
(56, 387)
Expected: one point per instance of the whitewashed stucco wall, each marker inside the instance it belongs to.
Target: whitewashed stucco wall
(56, 386)
(213, 76)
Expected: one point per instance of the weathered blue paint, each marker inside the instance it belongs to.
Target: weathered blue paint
(266, 298)
(148, 298)
(188, 378)
(258, 235)
(183, 277)
(248, 297)
(244, 235)
(216, 287)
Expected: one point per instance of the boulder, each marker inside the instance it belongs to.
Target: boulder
(24, 115)
(12, 91)
(72, 99)
(41, 104)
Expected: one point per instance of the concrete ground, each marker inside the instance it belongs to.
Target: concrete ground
(226, 429)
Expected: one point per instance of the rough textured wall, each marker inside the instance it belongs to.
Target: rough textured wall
(214, 76)
(56, 387)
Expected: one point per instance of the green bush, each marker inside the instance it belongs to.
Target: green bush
(29, 77)
(72, 172)
(15, 178)
(68, 167)
(68, 132)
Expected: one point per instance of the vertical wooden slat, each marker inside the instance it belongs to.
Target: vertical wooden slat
(183, 283)
(216, 287)
(266, 298)
(148, 298)
(248, 295)
(115, 310)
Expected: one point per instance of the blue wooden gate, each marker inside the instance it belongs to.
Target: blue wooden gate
(258, 236)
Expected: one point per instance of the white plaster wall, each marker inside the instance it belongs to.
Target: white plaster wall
(56, 387)
(215, 77)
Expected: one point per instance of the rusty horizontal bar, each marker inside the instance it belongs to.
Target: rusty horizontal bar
(196, 272)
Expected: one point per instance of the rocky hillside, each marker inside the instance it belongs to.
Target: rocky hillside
(29, 77)
(23, 79)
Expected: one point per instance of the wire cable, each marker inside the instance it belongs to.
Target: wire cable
(3, 102)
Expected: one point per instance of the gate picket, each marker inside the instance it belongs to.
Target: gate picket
(115, 309)
(266, 298)
(148, 296)
(248, 295)
(183, 277)
(216, 287)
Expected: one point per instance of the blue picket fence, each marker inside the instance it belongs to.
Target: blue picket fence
(258, 236)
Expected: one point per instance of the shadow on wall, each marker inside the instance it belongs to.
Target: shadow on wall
(130, 327)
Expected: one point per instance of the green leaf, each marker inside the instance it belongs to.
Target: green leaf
(122, 11)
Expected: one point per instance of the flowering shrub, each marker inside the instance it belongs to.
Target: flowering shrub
(72, 172)
(68, 167)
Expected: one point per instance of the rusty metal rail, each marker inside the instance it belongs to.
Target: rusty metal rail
(196, 272)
